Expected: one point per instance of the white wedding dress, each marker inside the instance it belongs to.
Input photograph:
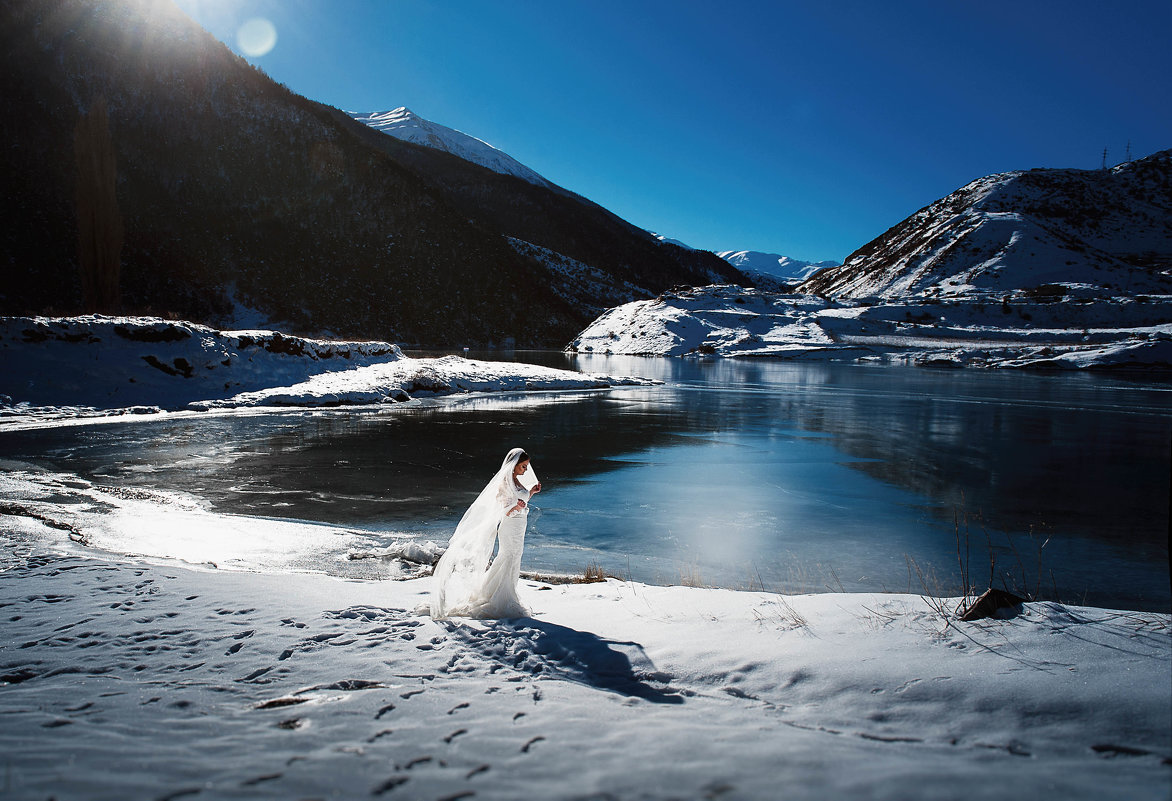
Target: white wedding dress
(464, 583)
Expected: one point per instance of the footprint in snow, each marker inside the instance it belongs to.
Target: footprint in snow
(388, 785)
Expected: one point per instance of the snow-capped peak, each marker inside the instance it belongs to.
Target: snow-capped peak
(669, 241)
(402, 123)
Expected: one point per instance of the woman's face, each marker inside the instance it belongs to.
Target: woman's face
(521, 467)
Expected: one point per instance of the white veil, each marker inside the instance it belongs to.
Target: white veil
(460, 570)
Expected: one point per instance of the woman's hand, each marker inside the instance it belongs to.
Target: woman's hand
(536, 489)
(520, 505)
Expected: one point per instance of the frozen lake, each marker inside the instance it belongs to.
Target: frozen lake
(799, 477)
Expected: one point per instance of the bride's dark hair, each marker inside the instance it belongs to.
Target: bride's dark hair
(524, 457)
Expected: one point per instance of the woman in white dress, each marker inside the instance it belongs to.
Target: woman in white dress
(464, 583)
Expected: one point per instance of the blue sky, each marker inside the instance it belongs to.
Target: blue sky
(800, 128)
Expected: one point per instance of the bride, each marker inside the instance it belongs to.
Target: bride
(465, 584)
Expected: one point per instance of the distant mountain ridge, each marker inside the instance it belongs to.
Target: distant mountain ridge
(770, 271)
(773, 265)
(1096, 232)
(402, 123)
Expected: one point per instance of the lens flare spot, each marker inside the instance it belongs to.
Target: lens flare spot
(256, 37)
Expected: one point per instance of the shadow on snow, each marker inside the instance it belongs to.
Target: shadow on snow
(558, 652)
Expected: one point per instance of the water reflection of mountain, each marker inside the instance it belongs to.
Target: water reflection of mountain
(1056, 454)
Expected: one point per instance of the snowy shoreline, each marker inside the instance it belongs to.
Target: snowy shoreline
(54, 370)
(134, 679)
(1014, 331)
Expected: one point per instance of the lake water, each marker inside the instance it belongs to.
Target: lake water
(797, 477)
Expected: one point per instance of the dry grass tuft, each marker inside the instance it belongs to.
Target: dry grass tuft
(593, 574)
(690, 576)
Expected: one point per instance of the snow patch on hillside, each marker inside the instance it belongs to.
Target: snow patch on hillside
(579, 283)
(666, 240)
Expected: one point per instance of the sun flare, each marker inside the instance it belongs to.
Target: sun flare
(256, 37)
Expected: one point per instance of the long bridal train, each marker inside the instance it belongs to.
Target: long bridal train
(465, 584)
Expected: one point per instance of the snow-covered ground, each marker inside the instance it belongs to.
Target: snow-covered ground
(52, 368)
(183, 673)
(123, 679)
(1066, 330)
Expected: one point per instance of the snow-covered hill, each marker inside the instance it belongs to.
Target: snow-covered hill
(402, 123)
(1073, 233)
(1021, 331)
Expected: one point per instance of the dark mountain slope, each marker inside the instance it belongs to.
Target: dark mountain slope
(231, 188)
(557, 219)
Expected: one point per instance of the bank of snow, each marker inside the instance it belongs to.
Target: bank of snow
(53, 367)
(1065, 329)
(134, 680)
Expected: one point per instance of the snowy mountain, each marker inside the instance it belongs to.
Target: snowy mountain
(402, 123)
(1053, 269)
(1084, 233)
(770, 271)
(773, 266)
(669, 241)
